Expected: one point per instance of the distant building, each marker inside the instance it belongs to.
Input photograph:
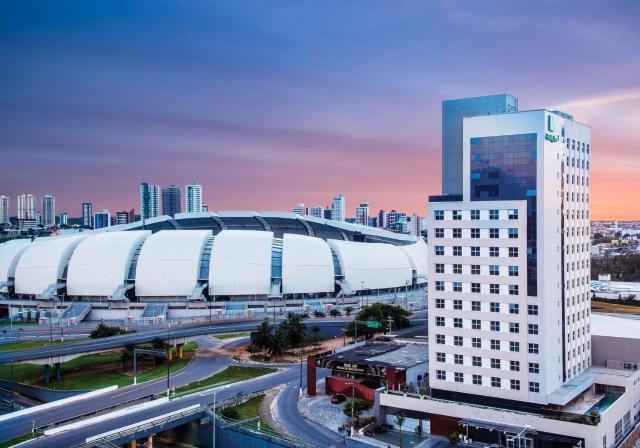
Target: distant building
(328, 213)
(300, 209)
(205, 208)
(4, 209)
(123, 218)
(87, 214)
(171, 200)
(416, 225)
(193, 198)
(48, 210)
(27, 207)
(362, 213)
(63, 219)
(373, 221)
(149, 200)
(383, 219)
(338, 208)
(132, 215)
(317, 211)
(102, 219)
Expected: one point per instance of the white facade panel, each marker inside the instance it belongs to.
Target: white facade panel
(43, 263)
(417, 255)
(307, 265)
(241, 263)
(10, 253)
(372, 265)
(169, 262)
(101, 262)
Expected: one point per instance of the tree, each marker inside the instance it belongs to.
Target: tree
(348, 310)
(277, 344)
(294, 329)
(400, 417)
(315, 330)
(125, 357)
(380, 312)
(359, 406)
(262, 336)
(335, 312)
(231, 413)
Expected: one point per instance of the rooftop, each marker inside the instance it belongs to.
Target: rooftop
(384, 353)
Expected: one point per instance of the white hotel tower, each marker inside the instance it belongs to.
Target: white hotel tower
(508, 294)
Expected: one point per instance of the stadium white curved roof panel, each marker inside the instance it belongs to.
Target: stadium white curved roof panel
(169, 263)
(241, 263)
(10, 253)
(307, 265)
(372, 265)
(417, 254)
(101, 262)
(43, 263)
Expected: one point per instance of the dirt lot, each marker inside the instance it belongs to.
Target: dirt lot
(241, 354)
(603, 307)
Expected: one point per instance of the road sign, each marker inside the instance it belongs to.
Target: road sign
(373, 324)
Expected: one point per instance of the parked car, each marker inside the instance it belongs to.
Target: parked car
(338, 398)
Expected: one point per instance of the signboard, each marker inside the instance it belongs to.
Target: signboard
(373, 324)
(348, 367)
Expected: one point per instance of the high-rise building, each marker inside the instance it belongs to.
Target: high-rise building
(416, 224)
(4, 209)
(318, 211)
(300, 209)
(338, 208)
(48, 210)
(132, 215)
(149, 200)
(123, 218)
(27, 207)
(362, 213)
(102, 219)
(453, 112)
(171, 200)
(63, 219)
(87, 214)
(193, 198)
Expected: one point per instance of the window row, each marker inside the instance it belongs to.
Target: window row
(483, 325)
(493, 307)
(476, 233)
(476, 215)
(480, 380)
(476, 251)
(476, 269)
(493, 363)
(477, 288)
(533, 348)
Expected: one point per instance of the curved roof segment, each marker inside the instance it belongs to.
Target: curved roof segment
(372, 265)
(241, 263)
(307, 265)
(10, 253)
(169, 263)
(101, 262)
(417, 254)
(43, 263)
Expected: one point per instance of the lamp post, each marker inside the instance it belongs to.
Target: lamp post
(214, 418)
(362, 292)
(300, 393)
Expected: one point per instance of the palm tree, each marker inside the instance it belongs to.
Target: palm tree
(316, 334)
(277, 344)
(348, 310)
(294, 330)
(400, 421)
(262, 336)
(334, 312)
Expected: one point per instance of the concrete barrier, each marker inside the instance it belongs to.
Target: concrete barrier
(39, 393)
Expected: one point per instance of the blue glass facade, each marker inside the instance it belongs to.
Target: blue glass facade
(503, 167)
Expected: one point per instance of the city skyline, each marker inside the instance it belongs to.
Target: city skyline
(279, 95)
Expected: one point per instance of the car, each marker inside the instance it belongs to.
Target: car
(338, 398)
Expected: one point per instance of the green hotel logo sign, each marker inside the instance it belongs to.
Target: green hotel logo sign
(551, 127)
(550, 137)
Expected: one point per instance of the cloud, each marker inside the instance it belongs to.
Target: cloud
(600, 100)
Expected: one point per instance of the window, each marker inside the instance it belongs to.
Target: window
(457, 251)
(515, 384)
(439, 303)
(513, 252)
(494, 288)
(439, 233)
(534, 367)
(495, 382)
(534, 387)
(441, 357)
(477, 380)
(533, 328)
(457, 322)
(439, 250)
(494, 307)
(457, 286)
(457, 269)
(514, 308)
(494, 233)
(457, 215)
(475, 233)
(513, 290)
(513, 233)
(457, 304)
(475, 287)
(514, 346)
(458, 359)
(439, 321)
(439, 215)
(532, 310)
(494, 214)
(495, 344)
(476, 324)
(439, 268)
(439, 285)
(495, 325)
(494, 251)
(441, 375)
(534, 349)
(495, 363)
(475, 305)
(513, 213)
(458, 377)
(513, 271)
(475, 215)
(618, 432)
(475, 269)
(476, 343)
(476, 361)
(457, 233)
(457, 340)
(475, 251)
(514, 366)
(494, 269)
(439, 339)
(514, 327)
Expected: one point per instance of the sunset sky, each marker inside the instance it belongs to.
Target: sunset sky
(271, 103)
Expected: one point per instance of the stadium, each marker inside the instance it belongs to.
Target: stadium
(229, 264)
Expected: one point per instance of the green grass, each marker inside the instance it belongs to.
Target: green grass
(10, 443)
(232, 335)
(26, 345)
(251, 409)
(231, 374)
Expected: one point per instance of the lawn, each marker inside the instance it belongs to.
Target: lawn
(10, 443)
(26, 345)
(249, 409)
(232, 335)
(231, 374)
